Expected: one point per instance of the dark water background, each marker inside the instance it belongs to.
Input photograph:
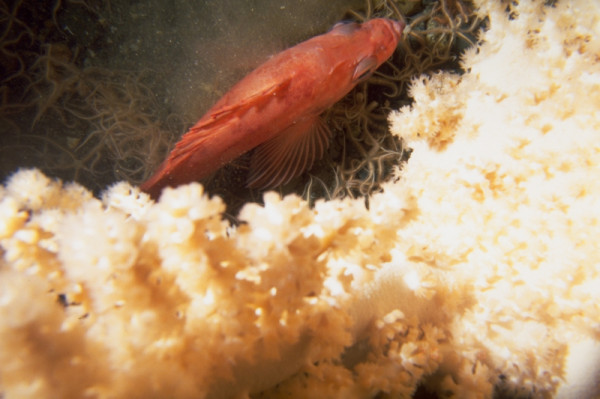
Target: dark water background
(200, 48)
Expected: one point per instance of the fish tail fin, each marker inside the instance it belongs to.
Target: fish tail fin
(194, 157)
(155, 184)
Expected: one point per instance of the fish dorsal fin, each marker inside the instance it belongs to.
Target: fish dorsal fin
(288, 154)
(226, 114)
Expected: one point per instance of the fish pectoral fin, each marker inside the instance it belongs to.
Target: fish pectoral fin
(288, 154)
(364, 69)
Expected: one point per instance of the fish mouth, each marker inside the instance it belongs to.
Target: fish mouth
(397, 27)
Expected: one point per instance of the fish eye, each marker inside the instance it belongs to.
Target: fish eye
(346, 27)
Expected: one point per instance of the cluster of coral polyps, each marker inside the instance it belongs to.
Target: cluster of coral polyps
(478, 269)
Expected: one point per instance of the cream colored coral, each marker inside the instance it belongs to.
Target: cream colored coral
(477, 269)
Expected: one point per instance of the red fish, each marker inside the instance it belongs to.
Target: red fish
(276, 108)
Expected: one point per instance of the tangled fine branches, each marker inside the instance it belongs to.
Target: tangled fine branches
(72, 120)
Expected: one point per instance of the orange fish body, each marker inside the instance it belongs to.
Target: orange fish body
(277, 106)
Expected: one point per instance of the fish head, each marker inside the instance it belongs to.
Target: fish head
(383, 34)
(367, 46)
